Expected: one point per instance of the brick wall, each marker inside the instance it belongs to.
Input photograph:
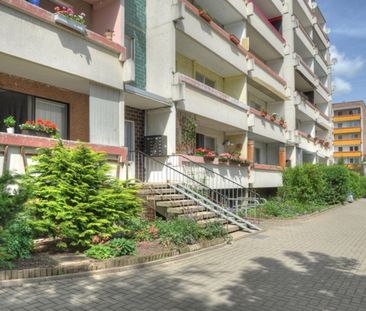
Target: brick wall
(135, 27)
(78, 103)
(137, 116)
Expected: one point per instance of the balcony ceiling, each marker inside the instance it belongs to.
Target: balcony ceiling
(221, 10)
(262, 139)
(268, 8)
(301, 83)
(318, 99)
(303, 116)
(195, 51)
(217, 126)
(260, 46)
(271, 96)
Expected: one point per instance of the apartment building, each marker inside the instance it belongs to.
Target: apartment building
(349, 131)
(249, 77)
(254, 77)
(54, 68)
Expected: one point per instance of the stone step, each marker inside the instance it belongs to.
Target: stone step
(154, 185)
(155, 191)
(185, 209)
(175, 203)
(165, 197)
(231, 228)
(198, 215)
(205, 222)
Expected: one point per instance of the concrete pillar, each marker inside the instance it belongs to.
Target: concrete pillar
(282, 157)
(250, 154)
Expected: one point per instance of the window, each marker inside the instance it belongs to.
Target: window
(130, 47)
(356, 148)
(351, 160)
(351, 148)
(130, 138)
(340, 137)
(202, 78)
(339, 125)
(340, 149)
(203, 141)
(25, 107)
(257, 155)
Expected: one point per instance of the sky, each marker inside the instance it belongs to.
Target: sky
(347, 21)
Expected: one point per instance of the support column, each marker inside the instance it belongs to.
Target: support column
(282, 157)
(250, 154)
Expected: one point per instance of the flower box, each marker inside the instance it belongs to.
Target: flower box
(208, 158)
(70, 23)
(205, 16)
(35, 133)
(234, 39)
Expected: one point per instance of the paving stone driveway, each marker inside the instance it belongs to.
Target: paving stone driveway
(313, 264)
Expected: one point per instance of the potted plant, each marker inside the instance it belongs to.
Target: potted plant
(205, 15)
(225, 157)
(264, 113)
(209, 156)
(10, 123)
(234, 39)
(326, 144)
(200, 152)
(282, 121)
(109, 33)
(273, 116)
(309, 136)
(39, 128)
(245, 163)
(69, 18)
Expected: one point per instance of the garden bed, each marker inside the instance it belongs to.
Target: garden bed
(48, 264)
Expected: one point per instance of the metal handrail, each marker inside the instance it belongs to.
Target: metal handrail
(256, 195)
(213, 191)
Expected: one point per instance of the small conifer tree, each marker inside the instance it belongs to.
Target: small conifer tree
(75, 199)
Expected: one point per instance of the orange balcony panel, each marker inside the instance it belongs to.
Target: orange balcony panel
(345, 154)
(347, 130)
(344, 142)
(354, 117)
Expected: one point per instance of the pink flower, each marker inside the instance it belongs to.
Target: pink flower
(82, 14)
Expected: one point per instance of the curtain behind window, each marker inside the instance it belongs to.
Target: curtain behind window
(55, 112)
(13, 104)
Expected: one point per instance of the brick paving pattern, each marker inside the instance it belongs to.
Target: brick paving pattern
(313, 264)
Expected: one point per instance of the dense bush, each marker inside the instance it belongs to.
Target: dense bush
(113, 248)
(74, 198)
(309, 187)
(16, 241)
(303, 184)
(13, 195)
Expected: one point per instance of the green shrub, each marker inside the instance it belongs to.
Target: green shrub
(179, 231)
(11, 203)
(75, 199)
(363, 186)
(303, 184)
(113, 248)
(16, 241)
(337, 181)
(355, 184)
(213, 231)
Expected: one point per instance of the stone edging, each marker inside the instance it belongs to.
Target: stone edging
(8, 276)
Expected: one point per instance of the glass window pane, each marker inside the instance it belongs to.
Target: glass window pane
(55, 112)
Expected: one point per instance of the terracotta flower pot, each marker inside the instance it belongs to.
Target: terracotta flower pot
(205, 16)
(234, 39)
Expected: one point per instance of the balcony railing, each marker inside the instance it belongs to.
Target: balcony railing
(264, 18)
(306, 66)
(267, 117)
(228, 37)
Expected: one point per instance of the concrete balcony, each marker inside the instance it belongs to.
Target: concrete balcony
(263, 126)
(322, 35)
(305, 71)
(322, 63)
(323, 120)
(306, 142)
(267, 78)
(323, 90)
(16, 152)
(34, 46)
(303, 8)
(348, 154)
(207, 43)
(200, 99)
(303, 36)
(268, 32)
(324, 152)
(353, 117)
(346, 130)
(266, 176)
(347, 142)
(305, 107)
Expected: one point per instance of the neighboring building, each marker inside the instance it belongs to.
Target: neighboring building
(349, 131)
(175, 77)
(64, 73)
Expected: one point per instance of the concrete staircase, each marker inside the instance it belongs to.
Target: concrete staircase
(169, 203)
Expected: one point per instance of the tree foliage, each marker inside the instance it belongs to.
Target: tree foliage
(75, 199)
